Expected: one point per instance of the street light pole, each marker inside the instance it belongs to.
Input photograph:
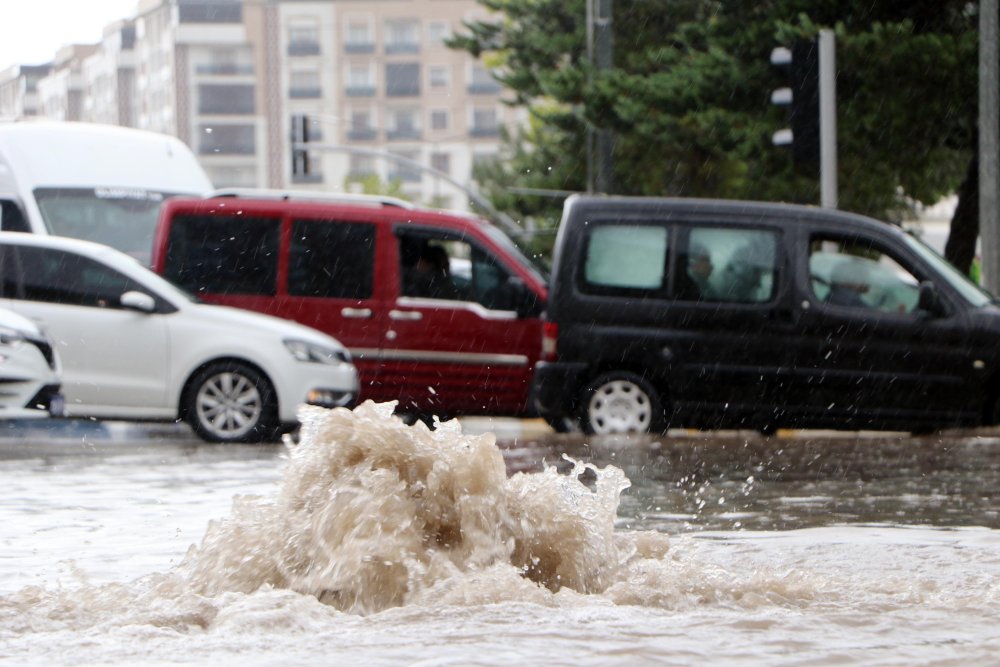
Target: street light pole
(989, 144)
(502, 218)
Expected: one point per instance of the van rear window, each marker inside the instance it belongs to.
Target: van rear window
(223, 254)
(626, 257)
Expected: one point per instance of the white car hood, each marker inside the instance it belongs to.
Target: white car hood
(12, 320)
(237, 318)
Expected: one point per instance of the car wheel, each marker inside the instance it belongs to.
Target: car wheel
(621, 402)
(232, 402)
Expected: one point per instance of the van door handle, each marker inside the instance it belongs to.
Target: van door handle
(410, 315)
(356, 312)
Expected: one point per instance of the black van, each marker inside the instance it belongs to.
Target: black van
(731, 314)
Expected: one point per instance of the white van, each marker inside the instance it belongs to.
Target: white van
(96, 182)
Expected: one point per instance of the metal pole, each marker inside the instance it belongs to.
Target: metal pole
(590, 85)
(505, 220)
(989, 144)
(828, 118)
(604, 55)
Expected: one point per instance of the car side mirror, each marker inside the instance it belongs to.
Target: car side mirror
(929, 300)
(139, 301)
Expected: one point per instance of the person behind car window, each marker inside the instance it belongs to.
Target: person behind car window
(430, 275)
(696, 269)
(848, 282)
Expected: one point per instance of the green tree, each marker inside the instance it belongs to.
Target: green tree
(687, 100)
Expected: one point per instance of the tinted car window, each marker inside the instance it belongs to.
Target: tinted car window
(727, 265)
(331, 259)
(626, 256)
(54, 276)
(845, 273)
(224, 254)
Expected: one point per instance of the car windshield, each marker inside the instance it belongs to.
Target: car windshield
(527, 259)
(975, 295)
(123, 218)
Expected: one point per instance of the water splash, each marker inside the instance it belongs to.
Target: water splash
(371, 513)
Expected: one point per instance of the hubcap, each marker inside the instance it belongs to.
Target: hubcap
(619, 406)
(229, 405)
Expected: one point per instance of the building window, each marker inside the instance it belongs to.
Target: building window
(402, 79)
(360, 82)
(439, 76)
(402, 36)
(362, 127)
(437, 33)
(404, 124)
(405, 171)
(358, 37)
(482, 82)
(223, 99)
(227, 140)
(361, 167)
(303, 40)
(305, 167)
(210, 11)
(439, 119)
(484, 122)
(441, 162)
(304, 84)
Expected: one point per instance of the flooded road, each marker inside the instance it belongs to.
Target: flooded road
(128, 547)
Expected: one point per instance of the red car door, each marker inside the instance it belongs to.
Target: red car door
(457, 345)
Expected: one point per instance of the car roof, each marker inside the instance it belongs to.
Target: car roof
(577, 206)
(361, 209)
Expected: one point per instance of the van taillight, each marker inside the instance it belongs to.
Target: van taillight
(550, 334)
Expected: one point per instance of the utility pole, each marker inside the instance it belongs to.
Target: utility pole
(828, 119)
(989, 144)
(600, 141)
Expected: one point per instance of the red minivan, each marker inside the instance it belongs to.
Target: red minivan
(440, 311)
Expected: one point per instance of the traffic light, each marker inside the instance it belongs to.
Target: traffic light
(801, 96)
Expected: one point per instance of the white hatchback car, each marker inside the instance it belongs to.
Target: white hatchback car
(135, 347)
(29, 370)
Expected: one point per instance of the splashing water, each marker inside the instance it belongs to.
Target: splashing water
(372, 513)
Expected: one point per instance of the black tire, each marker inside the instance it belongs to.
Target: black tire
(232, 402)
(621, 402)
(561, 424)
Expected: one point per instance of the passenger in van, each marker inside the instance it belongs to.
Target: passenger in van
(696, 269)
(848, 282)
(430, 275)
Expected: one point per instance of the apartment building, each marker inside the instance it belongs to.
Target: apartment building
(305, 94)
(373, 84)
(19, 90)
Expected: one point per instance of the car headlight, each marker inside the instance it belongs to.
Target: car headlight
(317, 354)
(10, 337)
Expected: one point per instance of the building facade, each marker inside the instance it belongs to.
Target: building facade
(331, 95)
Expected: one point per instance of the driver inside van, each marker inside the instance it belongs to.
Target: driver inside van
(430, 275)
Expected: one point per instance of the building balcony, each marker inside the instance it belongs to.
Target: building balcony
(303, 48)
(404, 134)
(484, 131)
(398, 48)
(484, 88)
(225, 70)
(359, 48)
(360, 91)
(364, 134)
(305, 93)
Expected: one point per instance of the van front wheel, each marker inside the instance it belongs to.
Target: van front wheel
(621, 402)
